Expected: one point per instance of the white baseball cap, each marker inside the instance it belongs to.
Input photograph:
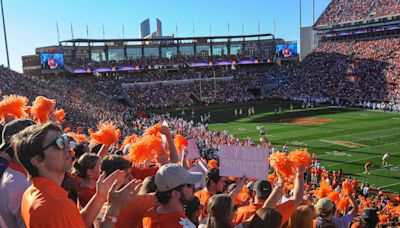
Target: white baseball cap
(170, 176)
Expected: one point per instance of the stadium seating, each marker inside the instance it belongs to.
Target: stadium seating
(341, 11)
(349, 70)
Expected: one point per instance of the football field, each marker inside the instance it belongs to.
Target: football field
(342, 138)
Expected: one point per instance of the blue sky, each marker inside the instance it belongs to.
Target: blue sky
(32, 24)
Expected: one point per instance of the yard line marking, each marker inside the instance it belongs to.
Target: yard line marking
(369, 171)
(361, 159)
(385, 186)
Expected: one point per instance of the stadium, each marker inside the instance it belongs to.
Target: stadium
(335, 100)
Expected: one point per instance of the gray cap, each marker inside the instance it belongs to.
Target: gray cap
(324, 205)
(170, 176)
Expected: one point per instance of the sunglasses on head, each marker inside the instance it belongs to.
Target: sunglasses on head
(62, 142)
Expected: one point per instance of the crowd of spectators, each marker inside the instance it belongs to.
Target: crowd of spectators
(340, 11)
(170, 75)
(74, 184)
(296, 201)
(387, 7)
(357, 70)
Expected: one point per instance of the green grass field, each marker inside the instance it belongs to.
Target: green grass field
(368, 135)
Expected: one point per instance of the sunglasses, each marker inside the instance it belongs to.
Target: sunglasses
(62, 142)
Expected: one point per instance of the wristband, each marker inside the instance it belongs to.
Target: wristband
(110, 218)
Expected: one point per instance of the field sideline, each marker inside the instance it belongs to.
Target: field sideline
(346, 138)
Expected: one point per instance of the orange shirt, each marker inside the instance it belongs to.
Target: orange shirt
(354, 183)
(84, 196)
(286, 210)
(46, 204)
(368, 164)
(17, 167)
(132, 214)
(245, 212)
(203, 196)
(356, 225)
(175, 219)
(141, 173)
(242, 197)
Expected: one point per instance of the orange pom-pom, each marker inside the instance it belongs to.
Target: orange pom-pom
(129, 140)
(180, 142)
(282, 164)
(397, 209)
(60, 114)
(80, 130)
(118, 133)
(28, 111)
(347, 188)
(383, 218)
(300, 157)
(343, 203)
(271, 178)
(78, 137)
(324, 189)
(334, 197)
(212, 164)
(42, 107)
(13, 105)
(153, 130)
(146, 148)
(107, 134)
(234, 179)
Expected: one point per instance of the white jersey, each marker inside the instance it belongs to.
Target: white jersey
(385, 157)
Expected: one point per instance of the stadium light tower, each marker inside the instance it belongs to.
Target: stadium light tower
(5, 34)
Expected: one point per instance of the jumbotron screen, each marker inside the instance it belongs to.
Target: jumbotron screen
(52, 61)
(286, 50)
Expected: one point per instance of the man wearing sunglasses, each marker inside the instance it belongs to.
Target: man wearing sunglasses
(175, 186)
(45, 153)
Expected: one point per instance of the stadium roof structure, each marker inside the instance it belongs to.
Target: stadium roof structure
(79, 40)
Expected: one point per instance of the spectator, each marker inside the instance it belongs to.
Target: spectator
(13, 182)
(43, 151)
(175, 187)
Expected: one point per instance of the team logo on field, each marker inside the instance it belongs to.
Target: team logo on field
(307, 120)
(344, 143)
(338, 153)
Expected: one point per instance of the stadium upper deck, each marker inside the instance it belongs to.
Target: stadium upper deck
(108, 55)
(341, 12)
